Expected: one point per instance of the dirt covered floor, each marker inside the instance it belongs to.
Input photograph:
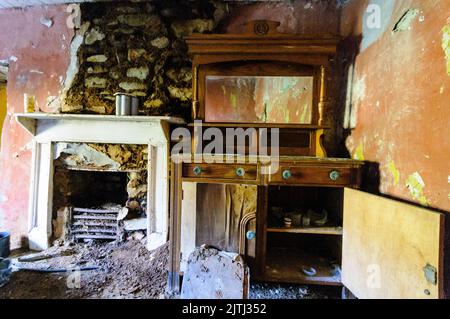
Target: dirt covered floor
(126, 270)
(286, 291)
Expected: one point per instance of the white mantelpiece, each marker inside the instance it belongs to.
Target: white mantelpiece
(48, 129)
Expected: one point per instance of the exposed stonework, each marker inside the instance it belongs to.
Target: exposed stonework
(138, 48)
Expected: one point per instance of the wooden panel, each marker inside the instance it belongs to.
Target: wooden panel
(211, 215)
(220, 209)
(221, 172)
(175, 227)
(386, 247)
(261, 234)
(285, 265)
(335, 231)
(311, 175)
(188, 222)
(225, 277)
(250, 245)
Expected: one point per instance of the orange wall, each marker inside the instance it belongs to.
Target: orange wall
(400, 96)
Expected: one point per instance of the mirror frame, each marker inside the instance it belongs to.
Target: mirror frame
(259, 68)
(262, 44)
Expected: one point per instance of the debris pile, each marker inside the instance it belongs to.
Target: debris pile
(125, 270)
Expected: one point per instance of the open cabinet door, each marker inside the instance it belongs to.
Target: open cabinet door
(391, 250)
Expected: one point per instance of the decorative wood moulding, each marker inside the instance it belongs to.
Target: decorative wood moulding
(262, 41)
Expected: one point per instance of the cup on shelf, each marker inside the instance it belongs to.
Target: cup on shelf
(29, 103)
(296, 219)
(126, 104)
(287, 222)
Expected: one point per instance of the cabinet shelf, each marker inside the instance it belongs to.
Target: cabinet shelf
(285, 265)
(336, 231)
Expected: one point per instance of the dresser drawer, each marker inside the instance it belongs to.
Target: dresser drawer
(314, 175)
(232, 172)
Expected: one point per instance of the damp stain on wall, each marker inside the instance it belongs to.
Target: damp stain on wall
(395, 172)
(416, 185)
(446, 45)
(406, 20)
(359, 152)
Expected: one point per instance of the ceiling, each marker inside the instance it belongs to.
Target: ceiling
(26, 3)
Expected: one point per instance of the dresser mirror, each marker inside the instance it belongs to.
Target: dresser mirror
(259, 99)
(258, 92)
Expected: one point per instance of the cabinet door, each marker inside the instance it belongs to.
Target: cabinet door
(391, 250)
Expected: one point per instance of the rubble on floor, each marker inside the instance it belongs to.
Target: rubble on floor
(126, 270)
(288, 291)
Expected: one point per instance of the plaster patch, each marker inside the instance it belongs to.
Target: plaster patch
(85, 152)
(46, 21)
(395, 172)
(406, 20)
(3, 198)
(359, 89)
(416, 186)
(359, 152)
(72, 70)
(358, 94)
(446, 45)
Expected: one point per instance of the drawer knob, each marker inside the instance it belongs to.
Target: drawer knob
(334, 175)
(240, 172)
(287, 174)
(197, 170)
(250, 235)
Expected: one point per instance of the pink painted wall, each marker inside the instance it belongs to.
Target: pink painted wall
(299, 16)
(401, 94)
(39, 58)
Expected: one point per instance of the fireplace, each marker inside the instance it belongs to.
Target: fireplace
(128, 155)
(99, 192)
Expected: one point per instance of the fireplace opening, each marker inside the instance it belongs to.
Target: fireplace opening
(95, 189)
(94, 201)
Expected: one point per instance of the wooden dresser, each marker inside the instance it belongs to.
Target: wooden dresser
(296, 183)
(239, 200)
(291, 211)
